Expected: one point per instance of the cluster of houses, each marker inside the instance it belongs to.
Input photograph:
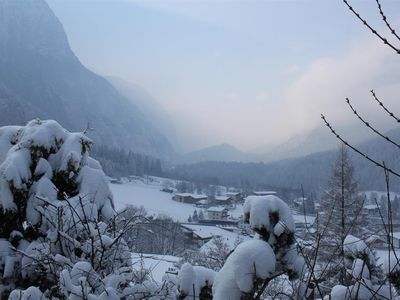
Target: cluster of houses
(375, 222)
(217, 210)
(217, 207)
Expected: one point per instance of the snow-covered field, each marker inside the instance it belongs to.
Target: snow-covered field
(157, 265)
(151, 198)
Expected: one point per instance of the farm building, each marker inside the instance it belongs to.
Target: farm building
(189, 198)
(217, 213)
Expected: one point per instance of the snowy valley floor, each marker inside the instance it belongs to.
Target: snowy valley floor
(150, 196)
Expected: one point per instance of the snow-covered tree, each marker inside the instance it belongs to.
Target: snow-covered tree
(340, 215)
(57, 221)
(201, 215)
(195, 216)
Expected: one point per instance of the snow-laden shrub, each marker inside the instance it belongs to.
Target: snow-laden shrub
(271, 218)
(57, 221)
(358, 254)
(392, 269)
(195, 282)
(364, 277)
(254, 263)
(28, 294)
(212, 254)
(247, 267)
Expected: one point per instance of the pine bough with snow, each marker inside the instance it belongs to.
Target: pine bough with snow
(57, 220)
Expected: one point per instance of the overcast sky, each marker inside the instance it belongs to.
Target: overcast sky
(249, 73)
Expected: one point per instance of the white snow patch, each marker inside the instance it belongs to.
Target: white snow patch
(253, 258)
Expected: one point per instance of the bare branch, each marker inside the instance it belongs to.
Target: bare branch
(371, 127)
(356, 150)
(384, 107)
(384, 18)
(383, 39)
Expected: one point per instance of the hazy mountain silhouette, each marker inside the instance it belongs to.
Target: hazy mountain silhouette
(41, 77)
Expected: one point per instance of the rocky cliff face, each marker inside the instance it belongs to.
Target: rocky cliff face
(43, 78)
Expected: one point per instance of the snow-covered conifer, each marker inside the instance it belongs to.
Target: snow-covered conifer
(57, 221)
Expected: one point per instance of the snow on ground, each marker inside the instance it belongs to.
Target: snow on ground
(383, 256)
(237, 212)
(147, 194)
(151, 198)
(156, 264)
(302, 218)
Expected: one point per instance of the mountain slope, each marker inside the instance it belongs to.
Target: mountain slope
(311, 171)
(223, 152)
(317, 140)
(39, 69)
(147, 104)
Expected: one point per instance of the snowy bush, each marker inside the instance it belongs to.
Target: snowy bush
(271, 218)
(212, 254)
(392, 269)
(57, 221)
(247, 267)
(195, 282)
(254, 263)
(365, 279)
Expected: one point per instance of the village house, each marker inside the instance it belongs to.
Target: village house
(235, 196)
(217, 213)
(372, 214)
(371, 210)
(223, 200)
(202, 203)
(189, 198)
(198, 235)
(304, 225)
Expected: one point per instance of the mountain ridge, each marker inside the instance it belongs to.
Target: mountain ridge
(311, 171)
(38, 67)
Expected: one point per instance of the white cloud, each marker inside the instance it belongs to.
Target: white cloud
(249, 120)
(324, 85)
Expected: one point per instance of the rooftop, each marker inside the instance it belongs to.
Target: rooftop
(222, 198)
(216, 209)
(194, 196)
(264, 193)
(207, 232)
